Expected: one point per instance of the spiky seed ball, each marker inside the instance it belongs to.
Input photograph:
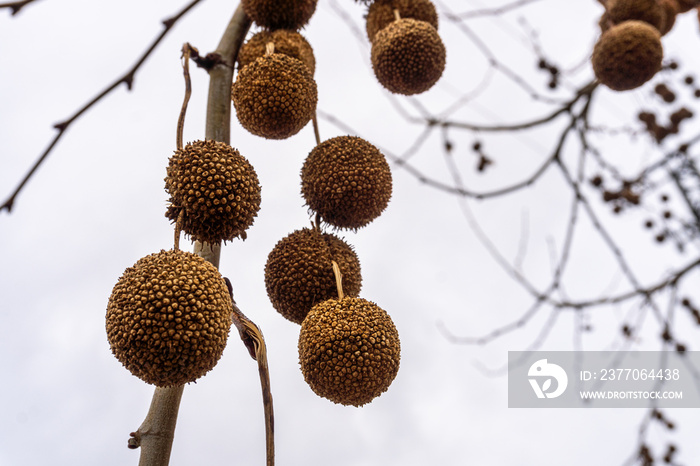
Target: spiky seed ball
(381, 13)
(216, 187)
(275, 96)
(349, 350)
(408, 56)
(286, 41)
(347, 181)
(648, 11)
(280, 14)
(168, 318)
(670, 11)
(627, 55)
(687, 5)
(299, 272)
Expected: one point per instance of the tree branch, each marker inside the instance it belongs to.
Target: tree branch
(16, 6)
(490, 11)
(127, 79)
(156, 442)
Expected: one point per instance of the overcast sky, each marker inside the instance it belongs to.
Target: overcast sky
(97, 206)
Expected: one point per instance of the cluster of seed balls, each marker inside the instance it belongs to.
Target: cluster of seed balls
(274, 93)
(629, 51)
(408, 56)
(349, 348)
(169, 315)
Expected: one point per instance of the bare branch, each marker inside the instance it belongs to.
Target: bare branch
(585, 92)
(491, 11)
(514, 76)
(16, 6)
(127, 79)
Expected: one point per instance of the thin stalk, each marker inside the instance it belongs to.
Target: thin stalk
(156, 433)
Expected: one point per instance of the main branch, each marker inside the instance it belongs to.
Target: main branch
(156, 433)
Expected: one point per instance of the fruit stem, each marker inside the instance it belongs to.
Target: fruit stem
(178, 228)
(397, 15)
(317, 134)
(186, 50)
(338, 280)
(269, 48)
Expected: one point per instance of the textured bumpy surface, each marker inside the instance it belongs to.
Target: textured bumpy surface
(627, 55)
(280, 14)
(687, 5)
(408, 56)
(670, 10)
(299, 272)
(347, 181)
(217, 188)
(649, 11)
(381, 13)
(287, 42)
(349, 350)
(168, 318)
(275, 96)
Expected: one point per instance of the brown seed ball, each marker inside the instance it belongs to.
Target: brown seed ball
(280, 14)
(648, 11)
(670, 11)
(286, 41)
(349, 350)
(275, 96)
(299, 272)
(408, 56)
(347, 181)
(216, 187)
(168, 318)
(381, 13)
(627, 55)
(687, 5)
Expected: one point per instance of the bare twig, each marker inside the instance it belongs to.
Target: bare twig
(491, 11)
(127, 79)
(16, 6)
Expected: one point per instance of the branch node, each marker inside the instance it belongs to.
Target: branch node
(134, 440)
(210, 60)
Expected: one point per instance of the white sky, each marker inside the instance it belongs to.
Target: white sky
(97, 205)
